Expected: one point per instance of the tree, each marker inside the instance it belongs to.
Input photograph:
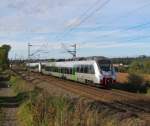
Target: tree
(4, 61)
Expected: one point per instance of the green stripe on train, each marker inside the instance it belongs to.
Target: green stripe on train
(74, 74)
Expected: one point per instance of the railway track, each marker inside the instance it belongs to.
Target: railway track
(101, 94)
(116, 99)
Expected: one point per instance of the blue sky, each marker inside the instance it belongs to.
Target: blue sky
(111, 28)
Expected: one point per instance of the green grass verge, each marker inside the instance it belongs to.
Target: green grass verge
(39, 108)
(25, 115)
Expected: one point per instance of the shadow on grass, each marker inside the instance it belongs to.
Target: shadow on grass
(4, 84)
(130, 87)
(4, 77)
(13, 102)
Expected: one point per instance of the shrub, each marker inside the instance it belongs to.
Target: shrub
(136, 83)
(135, 79)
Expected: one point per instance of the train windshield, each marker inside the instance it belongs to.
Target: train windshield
(105, 65)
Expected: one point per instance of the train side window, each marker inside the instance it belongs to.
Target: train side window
(86, 69)
(53, 69)
(50, 68)
(43, 66)
(91, 69)
(47, 68)
(70, 70)
(64, 70)
(61, 70)
(78, 69)
(82, 69)
(67, 70)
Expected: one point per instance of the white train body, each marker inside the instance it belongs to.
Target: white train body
(87, 71)
(34, 67)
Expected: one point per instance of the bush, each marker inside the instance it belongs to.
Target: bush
(135, 79)
(136, 83)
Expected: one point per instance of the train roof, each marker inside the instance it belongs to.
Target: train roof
(69, 63)
(84, 58)
(95, 58)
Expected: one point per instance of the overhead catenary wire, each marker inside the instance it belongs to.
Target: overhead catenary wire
(86, 15)
(105, 2)
(122, 30)
(129, 13)
(138, 26)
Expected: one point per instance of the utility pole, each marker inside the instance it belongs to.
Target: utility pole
(72, 52)
(75, 51)
(29, 45)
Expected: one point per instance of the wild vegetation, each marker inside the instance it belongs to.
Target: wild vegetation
(39, 108)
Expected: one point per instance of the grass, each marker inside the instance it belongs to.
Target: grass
(19, 85)
(24, 114)
(39, 108)
(1, 116)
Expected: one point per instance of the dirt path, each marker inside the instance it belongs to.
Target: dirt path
(8, 105)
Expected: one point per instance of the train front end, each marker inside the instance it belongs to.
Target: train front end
(107, 73)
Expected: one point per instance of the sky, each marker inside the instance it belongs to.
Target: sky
(111, 28)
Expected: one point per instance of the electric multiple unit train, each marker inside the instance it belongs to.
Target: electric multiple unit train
(98, 71)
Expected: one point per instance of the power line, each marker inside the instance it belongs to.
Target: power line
(131, 27)
(102, 5)
(127, 29)
(129, 13)
(87, 14)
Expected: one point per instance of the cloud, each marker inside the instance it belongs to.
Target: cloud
(39, 21)
(72, 23)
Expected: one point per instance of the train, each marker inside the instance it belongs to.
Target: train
(95, 70)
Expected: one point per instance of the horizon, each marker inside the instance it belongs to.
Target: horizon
(109, 28)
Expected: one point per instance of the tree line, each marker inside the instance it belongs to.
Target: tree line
(139, 64)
